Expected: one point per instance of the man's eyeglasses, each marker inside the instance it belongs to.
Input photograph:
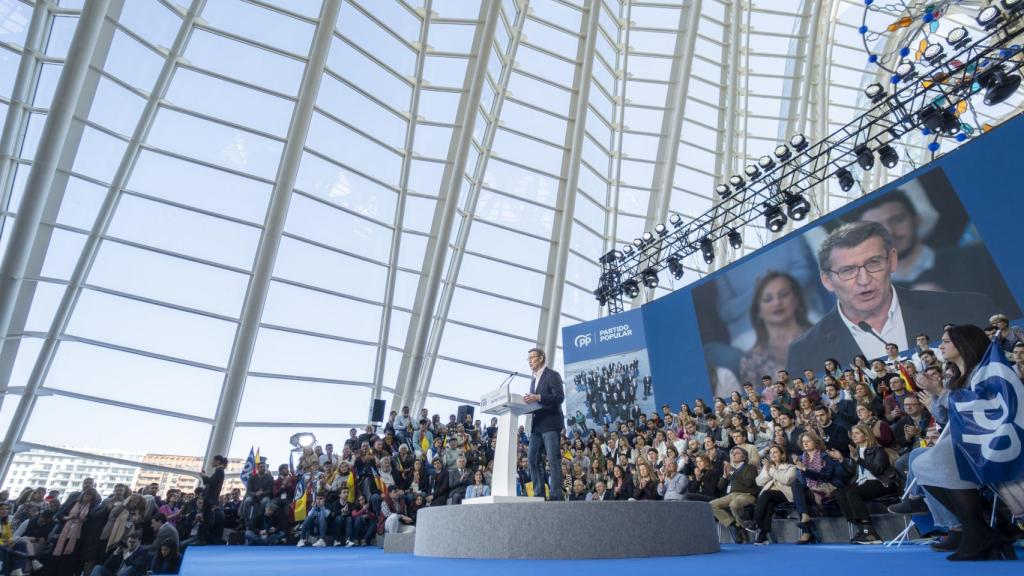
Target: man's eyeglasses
(872, 266)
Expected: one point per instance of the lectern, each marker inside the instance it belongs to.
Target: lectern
(507, 407)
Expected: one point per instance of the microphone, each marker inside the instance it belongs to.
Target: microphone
(863, 325)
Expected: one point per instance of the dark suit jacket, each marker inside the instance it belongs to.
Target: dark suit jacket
(213, 486)
(743, 481)
(439, 489)
(922, 312)
(549, 417)
(837, 436)
(137, 560)
(793, 445)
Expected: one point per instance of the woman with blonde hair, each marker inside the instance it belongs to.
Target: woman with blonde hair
(646, 485)
(872, 476)
(776, 481)
(120, 523)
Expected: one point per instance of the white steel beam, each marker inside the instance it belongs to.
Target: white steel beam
(21, 95)
(447, 206)
(675, 110)
(462, 236)
(396, 234)
(270, 239)
(561, 234)
(40, 181)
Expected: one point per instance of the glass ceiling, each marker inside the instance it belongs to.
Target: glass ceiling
(192, 284)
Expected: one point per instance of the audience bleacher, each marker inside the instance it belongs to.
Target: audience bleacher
(830, 444)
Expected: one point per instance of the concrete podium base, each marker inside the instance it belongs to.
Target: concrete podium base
(567, 530)
(399, 542)
(503, 500)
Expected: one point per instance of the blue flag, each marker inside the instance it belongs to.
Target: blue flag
(249, 468)
(987, 422)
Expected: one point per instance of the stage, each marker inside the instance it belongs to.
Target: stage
(835, 559)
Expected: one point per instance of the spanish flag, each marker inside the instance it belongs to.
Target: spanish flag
(299, 504)
(907, 380)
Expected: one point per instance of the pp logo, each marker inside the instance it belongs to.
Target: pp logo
(583, 340)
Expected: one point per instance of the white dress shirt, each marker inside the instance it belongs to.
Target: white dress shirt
(893, 331)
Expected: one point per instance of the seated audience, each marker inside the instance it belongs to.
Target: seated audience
(871, 476)
(776, 481)
(739, 484)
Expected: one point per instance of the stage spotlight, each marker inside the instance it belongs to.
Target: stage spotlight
(735, 240)
(875, 93)
(845, 179)
(752, 172)
(1013, 5)
(888, 155)
(934, 53)
(865, 158)
(303, 439)
(958, 38)
(905, 70)
(989, 17)
(798, 142)
(783, 153)
(766, 163)
(774, 219)
(638, 243)
(737, 182)
(998, 84)
(797, 207)
(707, 250)
(675, 220)
(650, 278)
(940, 120)
(647, 237)
(631, 288)
(723, 191)
(627, 250)
(661, 230)
(610, 257)
(675, 266)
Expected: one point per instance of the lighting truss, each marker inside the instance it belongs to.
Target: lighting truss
(943, 86)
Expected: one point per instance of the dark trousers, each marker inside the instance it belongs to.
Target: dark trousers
(549, 442)
(800, 498)
(13, 557)
(851, 499)
(338, 525)
(764, 508)
(361, 528)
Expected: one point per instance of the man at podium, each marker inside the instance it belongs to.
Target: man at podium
(548, 422)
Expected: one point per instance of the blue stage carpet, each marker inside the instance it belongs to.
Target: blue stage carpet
(835, 560)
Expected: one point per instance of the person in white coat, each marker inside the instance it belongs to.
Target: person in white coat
(776, 481)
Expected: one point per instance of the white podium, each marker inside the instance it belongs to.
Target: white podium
(507, 407)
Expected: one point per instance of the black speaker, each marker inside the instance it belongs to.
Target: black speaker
(463, 411)
(377, 412)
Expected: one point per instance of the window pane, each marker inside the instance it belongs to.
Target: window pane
(90, 426)
(132, 324)
(106, 373)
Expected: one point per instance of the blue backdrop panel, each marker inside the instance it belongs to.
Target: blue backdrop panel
(988, 178)
(675, 350)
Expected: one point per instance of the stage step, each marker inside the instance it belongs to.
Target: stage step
(831, 530)
(399, 543)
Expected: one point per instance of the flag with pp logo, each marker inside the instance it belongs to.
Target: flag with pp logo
(249, 468)
(987, 422)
